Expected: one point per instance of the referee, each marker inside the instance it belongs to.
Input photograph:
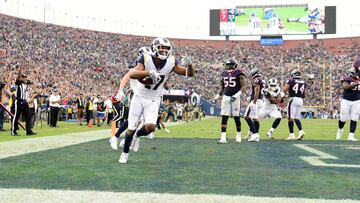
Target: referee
(21, 105)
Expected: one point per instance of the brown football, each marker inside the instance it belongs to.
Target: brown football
(146, 81)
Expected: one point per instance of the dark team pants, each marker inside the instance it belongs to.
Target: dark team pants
(21, 107)
(2, 117)
(54, 116)
(89, 115)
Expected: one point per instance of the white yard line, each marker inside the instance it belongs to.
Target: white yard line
(53, 196)
(37, 144)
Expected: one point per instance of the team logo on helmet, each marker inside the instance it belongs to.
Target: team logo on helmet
(352, 72)
(161, 48)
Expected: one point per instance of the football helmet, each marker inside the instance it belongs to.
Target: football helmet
(144, 50)
(255, 72)
(352, 72)
(161, 48)
(231, 64)
(296, 74)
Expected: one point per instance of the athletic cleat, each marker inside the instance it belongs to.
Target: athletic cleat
(353, 139)
(254, 138)
(270, 134)
(339, 134)
(114, 142)
(222, 141)
(301, 135)
(166, 130)
(291, 137)
(151, 135)
(124, 158)
(238, 138)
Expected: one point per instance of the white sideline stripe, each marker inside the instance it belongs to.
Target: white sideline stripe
(20, 147)
(37, 144)
(315, 160)
(53, 196)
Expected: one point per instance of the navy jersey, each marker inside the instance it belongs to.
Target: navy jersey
(351, 94)
(296, 88)
(230, 82)
(261, 83)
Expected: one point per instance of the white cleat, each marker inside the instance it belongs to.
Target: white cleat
(135, 144)
(114, 142)
(167, 130)
(291, 137)
(152, 135)
(353, 139)
(124, 158)
(238, 138)
(270, 134)
(301, 135)
(339, 134)
(254, 138)
(222, 141)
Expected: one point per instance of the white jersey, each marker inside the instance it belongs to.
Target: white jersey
(155, 91)
(133, 83)
(273, 93)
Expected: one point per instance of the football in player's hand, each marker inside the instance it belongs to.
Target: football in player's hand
(146, 81)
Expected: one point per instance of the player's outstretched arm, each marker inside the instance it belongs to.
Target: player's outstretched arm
(181, 70)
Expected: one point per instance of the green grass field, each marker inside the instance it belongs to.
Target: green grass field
(44, 130)
(188, 161)
(284, 14)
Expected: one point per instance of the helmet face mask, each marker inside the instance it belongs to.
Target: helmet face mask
(231, 64)
(255, 72)
(296, 74)
(161, 48)
(352, 72)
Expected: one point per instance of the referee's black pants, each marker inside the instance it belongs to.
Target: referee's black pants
(21, 106)
(54, 116)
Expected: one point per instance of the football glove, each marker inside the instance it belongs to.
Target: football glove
(233, 98)
(155, 76)
(120, 95)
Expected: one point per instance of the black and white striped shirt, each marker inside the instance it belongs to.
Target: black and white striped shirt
(21, 91)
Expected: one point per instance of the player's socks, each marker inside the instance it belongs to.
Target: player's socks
(128, 140)
(298, 124)
(237, 123)
(223, 129)
(291, 126)
(250, 124)
(122, 128)
(352, 126)
(341, 124)
(275, 124)
(257, 126)
(142, 132)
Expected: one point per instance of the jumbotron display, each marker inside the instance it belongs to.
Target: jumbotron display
(269, 20)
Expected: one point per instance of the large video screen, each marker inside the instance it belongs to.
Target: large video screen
(274, 20)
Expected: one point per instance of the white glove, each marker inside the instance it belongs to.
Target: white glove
(216, 97)
(120, 95)
(155, 76)
(186, 61)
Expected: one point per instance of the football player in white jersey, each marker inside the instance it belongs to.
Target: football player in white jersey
(114, 140)
(152, 70)
(272, 96)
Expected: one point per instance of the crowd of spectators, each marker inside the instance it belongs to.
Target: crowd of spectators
(76, 61)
